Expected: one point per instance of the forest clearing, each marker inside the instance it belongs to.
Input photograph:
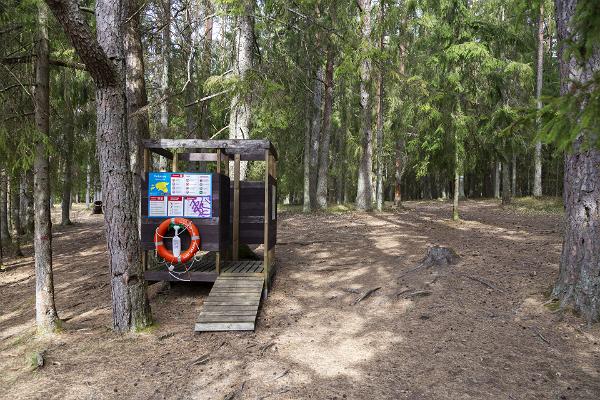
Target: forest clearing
(463, 340)
(300, 199)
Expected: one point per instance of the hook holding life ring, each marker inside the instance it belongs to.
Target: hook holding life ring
(168, 256)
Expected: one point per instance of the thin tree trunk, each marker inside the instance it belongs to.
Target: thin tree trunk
(399, 171)
(165, 56)
(15, 218)
(46, 316)
(364, 194)
(537, 180)
(67, 152)
(87, 186)
(131, 310)
(514, 175)
(578, 283)
(6, 238)
(506, 191)
(306, 206)
(240, 117)
(137, 98)
(341, 153)
(327, 113)
(191, 120)
(497, 168)
(380, 111)
(315, 136)
(455, 213)
(207, 64)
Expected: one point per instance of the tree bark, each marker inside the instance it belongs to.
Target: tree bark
(364, 194)
(497, 168)
(537, 159)
(207, 65)
(105, 60)
(457, 168)
(15, 218)
(400, 164)
(240, 117)
(315, 135)
(69, 130)
(380, 111)
(514, 175)
(578, 283)
(506, 191)
(165, 56)
(6, 237)
(322, 183)
(46, 316)
(306, 206)
(137, 98)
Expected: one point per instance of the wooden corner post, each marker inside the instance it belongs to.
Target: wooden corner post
(266, 222)
(236, 208)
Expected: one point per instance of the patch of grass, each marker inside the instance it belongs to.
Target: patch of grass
(546, 205)
(147, 329)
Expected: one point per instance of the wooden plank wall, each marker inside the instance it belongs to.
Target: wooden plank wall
(252, 211)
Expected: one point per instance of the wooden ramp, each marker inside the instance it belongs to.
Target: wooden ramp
(232, 304)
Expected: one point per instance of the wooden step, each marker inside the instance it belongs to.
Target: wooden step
(231, 305)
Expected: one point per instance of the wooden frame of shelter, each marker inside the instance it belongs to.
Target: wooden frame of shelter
(246, 210)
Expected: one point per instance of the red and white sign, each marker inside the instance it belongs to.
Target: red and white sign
(157, 206)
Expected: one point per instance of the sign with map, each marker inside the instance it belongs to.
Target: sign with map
(179, 194)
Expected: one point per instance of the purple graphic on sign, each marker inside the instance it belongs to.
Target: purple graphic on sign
(198, 207)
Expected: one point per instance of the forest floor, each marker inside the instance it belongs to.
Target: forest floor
(477, 330)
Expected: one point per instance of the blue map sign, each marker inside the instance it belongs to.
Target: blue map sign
(179, 194)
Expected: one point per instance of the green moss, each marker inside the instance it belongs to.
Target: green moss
(146, 328)
(553, 305)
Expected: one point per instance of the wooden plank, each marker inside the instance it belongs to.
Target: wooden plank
(162, 152)
(244, 145)
(224, 326)
(226, 318)
(230, 308)
(266, 220)
(227, 302)
(229, 278)
(229, 313)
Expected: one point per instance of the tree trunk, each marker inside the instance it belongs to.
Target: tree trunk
(364, 194)
(578, 284)
(497, 168)
(399, 171)
(514, 175)
(537, 180)
(6, 238)
(380, 99)
(69, 128)
(207, 64)
(137, 98)
(457, 168)
(87, 186)
(327, 113)
(189, 51)
(27, 205)
(306, 206)
(15, 218)
(131, 310)
(46, 316)
(165, 57)
(240, 117)
(505, 183)
(315, 135)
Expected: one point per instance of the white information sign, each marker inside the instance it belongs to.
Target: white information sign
(157, 206)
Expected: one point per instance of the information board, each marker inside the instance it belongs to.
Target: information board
(179, 194)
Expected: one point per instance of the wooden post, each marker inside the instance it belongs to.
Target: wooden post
(218, 161)
(236, 207)
(266, 223)
(273, 167)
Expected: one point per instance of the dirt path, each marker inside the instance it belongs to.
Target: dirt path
(482, 332)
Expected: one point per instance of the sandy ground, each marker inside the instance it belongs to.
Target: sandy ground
(482, 332)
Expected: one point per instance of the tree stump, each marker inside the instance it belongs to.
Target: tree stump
(440, 257)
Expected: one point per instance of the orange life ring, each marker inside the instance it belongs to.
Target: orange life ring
(161, 231)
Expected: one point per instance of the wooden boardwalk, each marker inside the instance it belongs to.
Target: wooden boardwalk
(232, 304)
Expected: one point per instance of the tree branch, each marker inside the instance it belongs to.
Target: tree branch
(102, 69)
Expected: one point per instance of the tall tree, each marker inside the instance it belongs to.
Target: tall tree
(315, 134)
(578, 283)
(165, 53)
(364, 193)
(323, 175)
(104, 58)
(380, 116)
(68, 139)
(240, 116)
(206, 71)
(537, 159)
(137, 97)
(46, 316)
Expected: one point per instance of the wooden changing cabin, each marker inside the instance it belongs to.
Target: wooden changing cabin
(241, 212)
